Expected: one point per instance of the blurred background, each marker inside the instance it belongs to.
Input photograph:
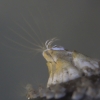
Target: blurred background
(23, 22)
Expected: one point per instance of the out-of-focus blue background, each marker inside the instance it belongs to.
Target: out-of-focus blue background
(75, 22)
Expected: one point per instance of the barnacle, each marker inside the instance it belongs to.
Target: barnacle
(72, 75)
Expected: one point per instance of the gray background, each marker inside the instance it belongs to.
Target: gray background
(75, 22)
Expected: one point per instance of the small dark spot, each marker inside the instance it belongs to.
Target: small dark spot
(49, 61)
(67, 72)
(66, 49)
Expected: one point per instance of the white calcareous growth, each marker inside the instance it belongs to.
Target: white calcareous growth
(87, 65)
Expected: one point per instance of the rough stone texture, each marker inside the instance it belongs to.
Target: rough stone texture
(85, 88)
